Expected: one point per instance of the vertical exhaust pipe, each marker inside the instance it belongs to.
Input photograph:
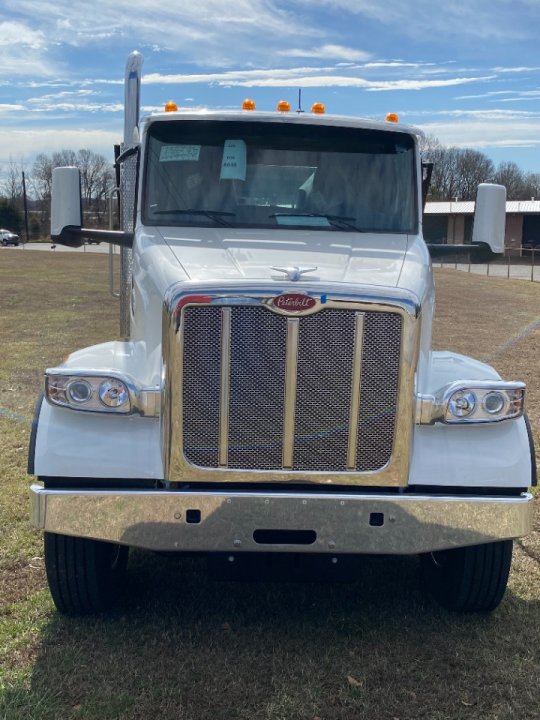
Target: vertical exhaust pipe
(129, 180)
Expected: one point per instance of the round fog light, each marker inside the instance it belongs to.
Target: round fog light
(462, 403)
(79, 391)
(113, 393)
(493, 402)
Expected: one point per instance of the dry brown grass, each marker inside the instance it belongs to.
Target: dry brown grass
(183, 646)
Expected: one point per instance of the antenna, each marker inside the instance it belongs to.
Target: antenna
(300, 101)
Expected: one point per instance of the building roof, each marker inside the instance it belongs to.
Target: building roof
(466, 207)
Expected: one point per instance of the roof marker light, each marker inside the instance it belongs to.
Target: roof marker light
(248, 104)
(284, 106)
(392, 117)
(171, 106)
(318, 108)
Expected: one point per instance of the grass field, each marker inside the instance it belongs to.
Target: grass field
(183, 646)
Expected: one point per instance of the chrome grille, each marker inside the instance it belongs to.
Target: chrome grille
(252, 426)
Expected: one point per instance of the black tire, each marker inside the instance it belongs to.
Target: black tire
(470, 579)
(4, 243)
(83, 575)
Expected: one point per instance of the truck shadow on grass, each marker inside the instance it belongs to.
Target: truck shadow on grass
(182, 645)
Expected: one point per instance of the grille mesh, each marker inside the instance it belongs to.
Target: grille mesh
(325, 356)
(257, 386)
(257, 380)
(202, 331)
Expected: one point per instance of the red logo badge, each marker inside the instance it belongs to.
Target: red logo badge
(293, 302)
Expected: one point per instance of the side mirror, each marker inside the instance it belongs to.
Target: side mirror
(66, 213)
(490, 217)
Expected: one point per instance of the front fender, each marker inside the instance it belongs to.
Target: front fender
(77, 444)
(494, 455)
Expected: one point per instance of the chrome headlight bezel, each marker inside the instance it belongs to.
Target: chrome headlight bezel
(134, 399)
(441, 407)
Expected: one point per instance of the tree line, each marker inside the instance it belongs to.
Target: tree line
(457, 172)
(97, 179)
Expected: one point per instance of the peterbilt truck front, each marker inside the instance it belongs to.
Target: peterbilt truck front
(277, 391)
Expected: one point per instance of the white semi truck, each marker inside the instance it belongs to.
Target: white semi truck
(276, 390)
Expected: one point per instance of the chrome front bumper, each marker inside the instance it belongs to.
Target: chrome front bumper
(281, 522)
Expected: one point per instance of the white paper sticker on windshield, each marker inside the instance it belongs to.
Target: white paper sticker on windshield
(172, 153)
(233, 164)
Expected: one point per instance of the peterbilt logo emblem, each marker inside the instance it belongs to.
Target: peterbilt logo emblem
(293, 302)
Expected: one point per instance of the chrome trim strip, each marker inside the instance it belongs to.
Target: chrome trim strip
(156, 519)
(289, 406)
(326, 295)
(225, 383)
(356, 389)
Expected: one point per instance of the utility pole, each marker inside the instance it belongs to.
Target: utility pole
(25, 207)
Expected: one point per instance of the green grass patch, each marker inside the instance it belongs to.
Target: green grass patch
(184, 646)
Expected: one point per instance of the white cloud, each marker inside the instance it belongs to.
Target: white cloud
(488, 115)
(230, 77)
(483, 95)
(486, 134)
(327, 52)
(79, 108)
(6, 108)
(394, 64)
(23, 51)
(424, 84)
(16, 34)
(427, 20)
(515, 69)
(209, 32)
(305, 77)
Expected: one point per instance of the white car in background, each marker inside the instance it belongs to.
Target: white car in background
(8, 238)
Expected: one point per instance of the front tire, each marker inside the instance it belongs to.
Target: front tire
(469, 579)
(83, 574)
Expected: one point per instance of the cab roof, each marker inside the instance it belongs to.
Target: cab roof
(304, 118)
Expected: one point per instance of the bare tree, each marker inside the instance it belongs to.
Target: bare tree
(532, 183)
(64, 158)
(512, 177)
(456, 172)
(42, 183)
(11, 185)
(472, 168)
(96, 179)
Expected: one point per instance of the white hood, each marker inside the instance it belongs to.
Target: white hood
(340, 257)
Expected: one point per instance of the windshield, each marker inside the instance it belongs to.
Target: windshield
(276, 175)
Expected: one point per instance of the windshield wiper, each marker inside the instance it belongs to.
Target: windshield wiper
(215, 215)
(334, 220)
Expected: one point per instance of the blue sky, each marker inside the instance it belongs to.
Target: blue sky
(467, 73)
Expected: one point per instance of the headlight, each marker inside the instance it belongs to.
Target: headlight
(79, 391)
(91, 393)
(113, 393)
(482, 402)
(462, 403)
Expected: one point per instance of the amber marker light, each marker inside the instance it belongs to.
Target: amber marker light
(171, 106)
(284, 106)
(392, 117)
(318, 108)
(248, 105)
